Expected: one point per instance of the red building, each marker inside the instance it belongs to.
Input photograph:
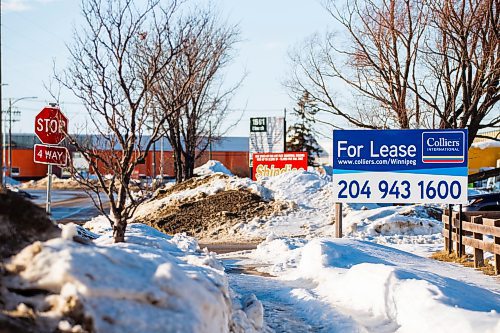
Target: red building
(230, 151)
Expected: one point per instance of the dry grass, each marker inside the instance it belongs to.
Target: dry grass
(466, 260)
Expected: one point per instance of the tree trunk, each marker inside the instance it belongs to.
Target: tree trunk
(189, 160)
(178, 165)
(119, 230)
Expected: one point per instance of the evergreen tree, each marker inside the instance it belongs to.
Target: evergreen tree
(300, 135)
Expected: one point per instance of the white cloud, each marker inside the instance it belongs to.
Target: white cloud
(15, 6)
(22, 5)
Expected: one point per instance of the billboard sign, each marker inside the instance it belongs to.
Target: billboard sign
(267, 135)
(274, 164)
(400, 166)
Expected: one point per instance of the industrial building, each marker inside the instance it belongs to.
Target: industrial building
(231, 151)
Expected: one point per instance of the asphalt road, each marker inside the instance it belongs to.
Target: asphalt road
(68, 205)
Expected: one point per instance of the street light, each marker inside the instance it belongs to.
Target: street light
(11, 104)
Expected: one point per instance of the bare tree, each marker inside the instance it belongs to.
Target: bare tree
(463, 62)
(194, 86)
(115, 59)
(377, 66)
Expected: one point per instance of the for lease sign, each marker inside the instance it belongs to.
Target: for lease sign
(274, 164)
(400, 166)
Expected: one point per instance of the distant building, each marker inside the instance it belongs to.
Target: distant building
(484, 153)
(231, 151)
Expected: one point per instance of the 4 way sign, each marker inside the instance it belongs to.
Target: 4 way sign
(51, 126)
(53, 155)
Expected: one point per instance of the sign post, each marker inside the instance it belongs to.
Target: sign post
(400, 166)
(49, 187)
(51, 126)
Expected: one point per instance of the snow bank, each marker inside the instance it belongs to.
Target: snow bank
(151, 283)
(486, 144)
(312, 194)
(385, 289)
(212, 167)
(209, 186)
(57, 183)
(390, 220)
(298, 186)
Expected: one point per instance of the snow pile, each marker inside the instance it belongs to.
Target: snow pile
(299, 186)
(486, 144)
(391, 220)
(212, 167)
(308, 196)
(207, 186)
(384, 289)
(312, 193)
(151, 283)
(11, 182)
(57, 183)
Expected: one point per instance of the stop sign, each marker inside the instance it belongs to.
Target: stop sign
(51, 125)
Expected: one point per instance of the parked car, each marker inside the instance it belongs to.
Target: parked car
(483, 202)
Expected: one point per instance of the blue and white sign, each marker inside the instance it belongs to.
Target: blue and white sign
(400, 166)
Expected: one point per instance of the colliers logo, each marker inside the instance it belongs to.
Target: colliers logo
(443, 147)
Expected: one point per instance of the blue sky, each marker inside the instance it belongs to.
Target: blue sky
(35, 32)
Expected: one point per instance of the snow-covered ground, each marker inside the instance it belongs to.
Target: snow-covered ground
(312, 193)
(150, 283)
(376, 279)
(374, 288)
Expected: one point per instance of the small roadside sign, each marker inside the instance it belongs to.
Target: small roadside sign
(53, 155)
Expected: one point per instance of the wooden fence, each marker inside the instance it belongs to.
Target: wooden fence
(480, 230)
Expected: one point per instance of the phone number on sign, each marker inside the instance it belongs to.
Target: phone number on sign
(399, 189)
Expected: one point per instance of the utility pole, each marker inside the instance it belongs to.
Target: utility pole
(10, 134)
(161, 159)
(154, 153)
(210, 140)
(10, 137)
(284, 130)
(11, 103)
(2, 185)
(4, 150)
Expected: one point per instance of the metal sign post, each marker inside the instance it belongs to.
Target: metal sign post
(49, 185)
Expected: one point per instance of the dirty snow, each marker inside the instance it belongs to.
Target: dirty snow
(362, 283)
(213, 184)
(311, 193)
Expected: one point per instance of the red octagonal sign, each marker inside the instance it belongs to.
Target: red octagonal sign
(51, 125)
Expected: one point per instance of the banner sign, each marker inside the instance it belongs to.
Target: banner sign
(400, 166)
(274, 164)
(267, 135)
